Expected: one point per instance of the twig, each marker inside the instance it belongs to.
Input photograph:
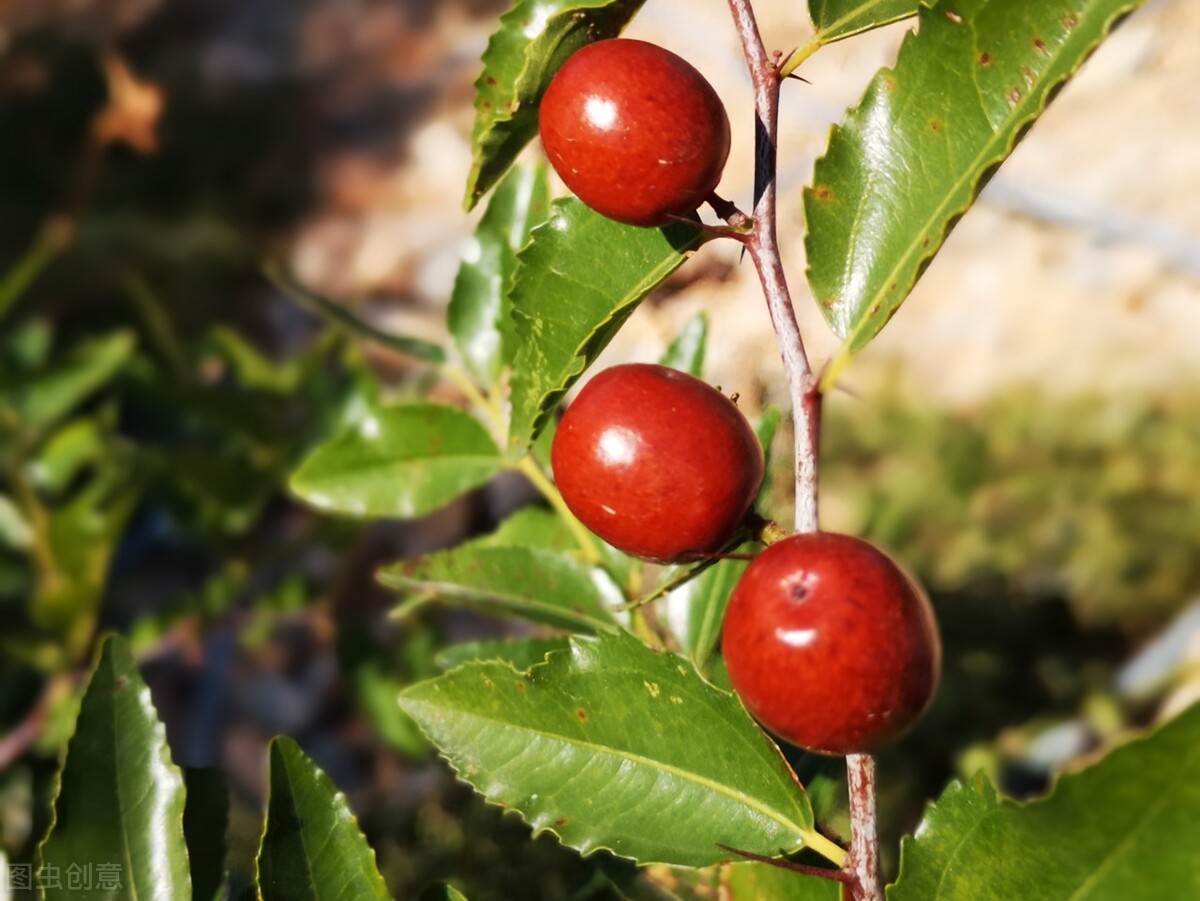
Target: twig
(863, 862)
(767, 75)
(763, 247)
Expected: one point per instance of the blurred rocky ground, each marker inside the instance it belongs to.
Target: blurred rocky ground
(1079, 268)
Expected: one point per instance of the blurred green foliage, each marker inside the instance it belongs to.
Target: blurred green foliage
(1091, 498)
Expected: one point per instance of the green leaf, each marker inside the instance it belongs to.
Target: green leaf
(312, 847)
(837, 19)
(205, 818)
(909, 160)
(760, 880)
(576, 283)
(534, 39)
(376, 690)
(614, 745)
(401, 461)
(338, 314)
(686, 352)
(78, 545)
(765, 429)
(24, 272)
(696, 609)
(531, 527)
(519, 653)
(15, 531)
(540, 585)
(119, 800)
(1123, 828)
(73, 447)
(42, 399)
(250, 367)
(479, 315)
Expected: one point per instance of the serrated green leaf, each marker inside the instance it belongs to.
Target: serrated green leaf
(479, 316)
(119, 800)
(534, 39)
(205, 819)
(43, 398)
(1123, 828)
(535, 527)
(910, 159)
(600, 746)
(519, 653)
(576, 283)
(312, 848)
(837, 19)
(686, 352)
(540, 585)
(402, 461)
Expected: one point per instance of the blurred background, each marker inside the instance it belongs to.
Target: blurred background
(1025, 434)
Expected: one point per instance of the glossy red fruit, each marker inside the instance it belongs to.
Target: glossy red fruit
(830, 644)
(657, 463)
(635, 131)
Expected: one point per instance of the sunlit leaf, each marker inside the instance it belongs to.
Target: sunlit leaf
(479, 315)
(541, 585)
(911, 157)
(119, 799)
(599, 745)
(312, 848)
(837, 19)
(520, 653)
(696, 609)
(400, 461)
(1093, 837)
(686, 352)
(576, 283)
(46, 396)
(534, 39)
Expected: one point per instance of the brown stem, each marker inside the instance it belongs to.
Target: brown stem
(863, 862)
(763, 247)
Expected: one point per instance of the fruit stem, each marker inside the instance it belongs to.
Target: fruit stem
(587, 545)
